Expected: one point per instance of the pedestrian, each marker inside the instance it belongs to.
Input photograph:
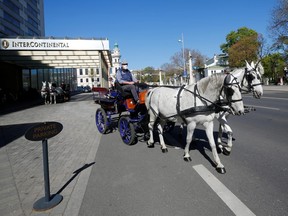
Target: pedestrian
(127, 80)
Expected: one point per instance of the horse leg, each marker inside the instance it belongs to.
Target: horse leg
(150, 142)
(161, 138)
(190, 131)
(54, 98)
(209, 132)
(46, 99)
(224, 126)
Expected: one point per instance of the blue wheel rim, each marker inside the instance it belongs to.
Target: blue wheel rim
(125, 131)
(100, 123)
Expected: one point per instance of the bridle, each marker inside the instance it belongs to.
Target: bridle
(229, 81)
(249, 78)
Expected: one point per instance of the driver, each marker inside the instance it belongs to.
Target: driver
(127, 80)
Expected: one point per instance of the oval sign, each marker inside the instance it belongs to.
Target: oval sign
(43, 131)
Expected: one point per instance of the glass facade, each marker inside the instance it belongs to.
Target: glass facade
(32, 78)
(22, 18)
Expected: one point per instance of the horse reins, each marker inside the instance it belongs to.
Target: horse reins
(249, 81)
(217, 107)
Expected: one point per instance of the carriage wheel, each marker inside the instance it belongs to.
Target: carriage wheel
(126, 130)
(101, 120)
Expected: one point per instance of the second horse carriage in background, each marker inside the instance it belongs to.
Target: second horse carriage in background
(53, 94)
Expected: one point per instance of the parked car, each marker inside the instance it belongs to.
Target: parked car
(86, 89)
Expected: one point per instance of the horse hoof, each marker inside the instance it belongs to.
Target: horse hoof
(226, 152)
(150, 145)
(187, 159)
(221, 170)
(219, 150)
(164, 150)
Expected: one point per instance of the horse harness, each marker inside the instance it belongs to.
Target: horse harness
(214, 107)
(249, 77)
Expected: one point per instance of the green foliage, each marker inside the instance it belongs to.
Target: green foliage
(243, 44)
(235, 36)
(273, 66)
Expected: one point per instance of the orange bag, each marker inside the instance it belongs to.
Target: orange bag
(142, 96)
(130, 103)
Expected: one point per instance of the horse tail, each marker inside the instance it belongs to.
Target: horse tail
(148, 98)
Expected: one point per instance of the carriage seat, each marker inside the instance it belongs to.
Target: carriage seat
(124, 94)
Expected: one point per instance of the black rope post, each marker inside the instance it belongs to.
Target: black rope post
(41, 132)
(46, 169)
(48, 201)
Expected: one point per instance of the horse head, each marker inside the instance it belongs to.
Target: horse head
(44, 86)
(232, 94)
(253, 78)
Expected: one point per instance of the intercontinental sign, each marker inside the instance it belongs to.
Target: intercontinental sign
(53, 44)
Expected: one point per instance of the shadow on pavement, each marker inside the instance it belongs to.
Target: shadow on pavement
(76, 172)
(9, 133)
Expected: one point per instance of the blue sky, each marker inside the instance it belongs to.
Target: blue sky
(147, 32)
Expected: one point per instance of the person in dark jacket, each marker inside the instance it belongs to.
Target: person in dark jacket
(127, 80)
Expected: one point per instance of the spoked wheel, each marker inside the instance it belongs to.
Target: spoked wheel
(101, 120)
(126, 130)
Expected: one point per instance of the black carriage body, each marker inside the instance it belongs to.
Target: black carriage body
(129, 120)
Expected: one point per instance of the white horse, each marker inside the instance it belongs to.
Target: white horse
(45, 92)
(193, 104)
(53, 93)
(250, 81)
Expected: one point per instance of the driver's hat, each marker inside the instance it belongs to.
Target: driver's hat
(124, 62)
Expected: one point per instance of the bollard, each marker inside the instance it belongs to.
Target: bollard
(42, 132)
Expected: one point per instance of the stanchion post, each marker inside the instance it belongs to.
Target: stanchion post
(46, 169)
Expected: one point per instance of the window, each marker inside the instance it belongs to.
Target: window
(80, 72)
(31, 21)
(11, 19)
(81, 80)
(97, 71)
(31, 32)
(31, 10)
(87, 80)
(86, 71)
(11, 6)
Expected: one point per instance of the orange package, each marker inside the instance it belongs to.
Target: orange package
(142, 96)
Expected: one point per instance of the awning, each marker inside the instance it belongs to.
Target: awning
(47, 53)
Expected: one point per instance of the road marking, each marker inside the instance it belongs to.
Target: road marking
(272, 98)
(224, 193)
(275, 98)
(263, 107)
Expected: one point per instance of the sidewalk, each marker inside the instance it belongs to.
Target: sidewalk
(71, 156)
(275, 88)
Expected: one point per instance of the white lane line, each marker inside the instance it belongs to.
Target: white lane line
(224, 193)
(263, 107)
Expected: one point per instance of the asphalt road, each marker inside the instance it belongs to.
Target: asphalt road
(135, 180)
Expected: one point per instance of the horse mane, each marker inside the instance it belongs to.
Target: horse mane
(208, 86)
(212, 82)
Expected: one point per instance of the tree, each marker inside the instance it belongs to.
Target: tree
(241, 45)
(234, 36)
(279, 26)
(244, 49)
(273, 66)
(197, 59)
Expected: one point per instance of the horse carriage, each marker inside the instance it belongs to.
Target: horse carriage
(161, 107)
(132, 118)
(53, 94)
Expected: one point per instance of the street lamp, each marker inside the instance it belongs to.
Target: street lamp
(183, 54)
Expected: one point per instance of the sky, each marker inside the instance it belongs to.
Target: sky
(148, 32)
